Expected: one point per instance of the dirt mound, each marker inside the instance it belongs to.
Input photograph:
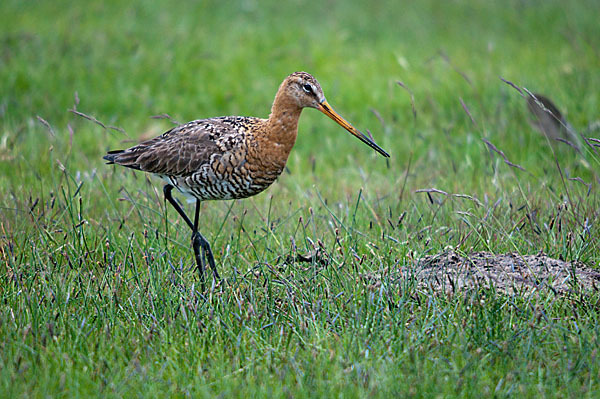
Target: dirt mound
(508, 273)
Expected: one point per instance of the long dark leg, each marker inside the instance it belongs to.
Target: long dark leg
(167, 191)
(198, 241)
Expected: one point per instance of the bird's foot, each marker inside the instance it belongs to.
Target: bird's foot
(199, 242)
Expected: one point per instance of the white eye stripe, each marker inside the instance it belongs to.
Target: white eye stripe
(311, 89)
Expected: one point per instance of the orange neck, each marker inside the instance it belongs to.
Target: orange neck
(283, 121)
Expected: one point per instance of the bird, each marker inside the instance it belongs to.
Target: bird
(229, 157)
(549, 121)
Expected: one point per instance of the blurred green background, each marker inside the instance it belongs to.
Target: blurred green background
(128, 61)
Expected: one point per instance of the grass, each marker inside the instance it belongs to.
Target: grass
(99, 295)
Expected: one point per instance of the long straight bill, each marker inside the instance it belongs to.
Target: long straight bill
(325, 108)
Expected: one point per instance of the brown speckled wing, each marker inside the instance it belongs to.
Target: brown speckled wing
(183, 150)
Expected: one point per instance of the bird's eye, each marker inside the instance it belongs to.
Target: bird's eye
(307, 88)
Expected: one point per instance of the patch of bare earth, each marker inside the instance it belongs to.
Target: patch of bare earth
(507, 273)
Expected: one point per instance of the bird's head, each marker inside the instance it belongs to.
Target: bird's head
(303, 89)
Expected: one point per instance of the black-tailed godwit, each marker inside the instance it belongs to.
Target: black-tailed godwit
(230, 157)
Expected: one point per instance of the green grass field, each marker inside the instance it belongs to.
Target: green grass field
(99, 295)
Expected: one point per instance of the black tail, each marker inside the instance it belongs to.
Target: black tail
(123, 158)
(111, 155)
